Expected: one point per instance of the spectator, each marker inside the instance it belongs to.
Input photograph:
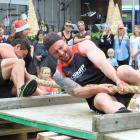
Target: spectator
(121, 46)
(40, 54)
(111, 58)
(2, 37)
(135, 48)
(22, 31)
(66, 33)
(83, 34)
(45, 74)
(106, 40)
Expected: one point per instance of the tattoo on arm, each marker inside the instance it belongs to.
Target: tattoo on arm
(66, 83)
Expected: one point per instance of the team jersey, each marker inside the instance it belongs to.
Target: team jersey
(81, 69)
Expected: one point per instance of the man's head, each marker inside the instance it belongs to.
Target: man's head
(55, 45)
(81, 25)
(21, 47)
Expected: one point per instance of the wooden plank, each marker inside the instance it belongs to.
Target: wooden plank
(116, 122)
(34, 101)
(70, 119)
(12, 129)
(45, 135)
(124, 135)
(2, 121)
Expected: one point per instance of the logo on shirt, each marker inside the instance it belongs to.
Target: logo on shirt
(79, 72)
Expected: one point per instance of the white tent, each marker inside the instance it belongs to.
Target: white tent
(19, 2)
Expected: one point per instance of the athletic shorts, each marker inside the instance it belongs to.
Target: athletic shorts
(124, 99)
(5, 86)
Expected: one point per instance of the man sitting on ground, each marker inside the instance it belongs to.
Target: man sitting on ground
(13, 67)
(83, 64)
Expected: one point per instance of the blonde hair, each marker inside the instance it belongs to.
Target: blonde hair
(110, 51)
(1, 30)
(41, 71)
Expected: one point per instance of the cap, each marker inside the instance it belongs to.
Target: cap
(121, 26)
(21, 25)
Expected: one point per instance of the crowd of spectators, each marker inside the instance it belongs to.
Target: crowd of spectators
(119, 48)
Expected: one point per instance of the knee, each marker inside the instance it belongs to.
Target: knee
(100, 99)
(123, 71)
(20, 62)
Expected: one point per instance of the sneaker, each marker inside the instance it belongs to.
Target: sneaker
(123, 110)
(28, 88)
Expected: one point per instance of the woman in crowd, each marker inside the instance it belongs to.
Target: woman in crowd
(135, 48)
(66, 33)
(106, 40)
(40, 55)
(121, 45)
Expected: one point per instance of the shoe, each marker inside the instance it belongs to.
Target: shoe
(123, 110)
(28, 88)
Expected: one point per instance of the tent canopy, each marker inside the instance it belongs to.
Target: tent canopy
(19, 2)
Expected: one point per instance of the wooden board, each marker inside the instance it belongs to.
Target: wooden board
(71, 119)
(33, 101)
(125, 135)
(116, 122)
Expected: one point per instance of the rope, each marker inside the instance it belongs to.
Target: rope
(47, 83)
(127, 89)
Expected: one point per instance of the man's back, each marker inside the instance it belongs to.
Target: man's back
(6, 51)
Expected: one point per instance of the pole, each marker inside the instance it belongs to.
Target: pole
(133, 14)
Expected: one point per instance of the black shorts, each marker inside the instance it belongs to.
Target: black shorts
(124, 99)
(5, 86)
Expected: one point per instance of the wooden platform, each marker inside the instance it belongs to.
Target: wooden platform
(67, 115)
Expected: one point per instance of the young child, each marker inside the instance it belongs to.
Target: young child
(45, 74)
(111, 58)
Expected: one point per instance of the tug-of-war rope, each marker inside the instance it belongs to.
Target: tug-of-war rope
(127, 89)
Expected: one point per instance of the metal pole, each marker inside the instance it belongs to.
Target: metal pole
(133, 14)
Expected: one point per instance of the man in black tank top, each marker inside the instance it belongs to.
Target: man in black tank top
(84, 64)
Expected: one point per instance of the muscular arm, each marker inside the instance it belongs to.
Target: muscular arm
(75, 89)
(97, 57)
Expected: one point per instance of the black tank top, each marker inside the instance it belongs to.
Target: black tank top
(67, 39)
(82, 70)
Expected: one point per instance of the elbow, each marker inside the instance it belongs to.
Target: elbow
(77, 92)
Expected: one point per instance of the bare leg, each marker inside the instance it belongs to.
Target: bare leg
(13, 68)
(129, 75)
(107, 103)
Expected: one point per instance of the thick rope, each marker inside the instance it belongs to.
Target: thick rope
(127, 89)
(47, 83)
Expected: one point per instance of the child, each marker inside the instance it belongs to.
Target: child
(111, 58)
(40, 54)
(45, 74)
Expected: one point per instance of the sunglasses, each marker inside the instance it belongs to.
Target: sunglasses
(68, 25)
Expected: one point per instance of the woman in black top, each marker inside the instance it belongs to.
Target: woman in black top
(106, 40)
(66, 33)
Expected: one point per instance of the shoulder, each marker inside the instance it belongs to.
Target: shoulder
(60, 34)
(86, 45)
(6, 45)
